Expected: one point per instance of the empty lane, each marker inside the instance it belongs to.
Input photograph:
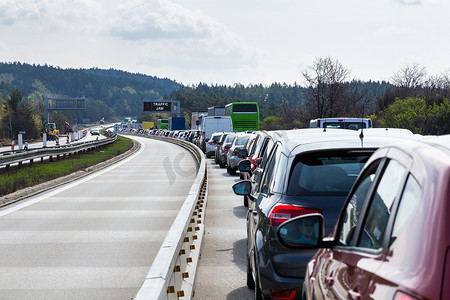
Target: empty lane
(96, 237)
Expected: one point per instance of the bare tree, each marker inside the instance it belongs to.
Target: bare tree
(410, 76)
(326, 82)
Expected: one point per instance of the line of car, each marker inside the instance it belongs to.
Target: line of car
(330, 212)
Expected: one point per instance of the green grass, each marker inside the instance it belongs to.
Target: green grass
(19, 178)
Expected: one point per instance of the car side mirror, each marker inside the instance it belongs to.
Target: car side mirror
(242, 153)
(244, 166)
(305, 231)
(242, 188)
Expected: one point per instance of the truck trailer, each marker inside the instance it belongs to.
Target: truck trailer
(177, 123)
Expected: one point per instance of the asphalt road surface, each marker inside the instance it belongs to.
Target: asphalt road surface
(95, 238)
(222, 269)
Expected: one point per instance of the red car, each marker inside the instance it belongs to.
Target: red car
(392, 239)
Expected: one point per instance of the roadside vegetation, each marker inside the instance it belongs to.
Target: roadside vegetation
(26, 176)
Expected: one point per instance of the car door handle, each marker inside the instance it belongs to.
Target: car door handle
(354, 295)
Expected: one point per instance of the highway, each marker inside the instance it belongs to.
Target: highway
(95, 238)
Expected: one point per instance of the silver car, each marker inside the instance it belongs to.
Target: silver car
(211, 144)
(232, 156)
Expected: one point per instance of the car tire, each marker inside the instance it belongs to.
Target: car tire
(245, 201)
(232, 171)
(228, 169)
(208, 155)
(258, 294)
(222, 164)
(216, 159)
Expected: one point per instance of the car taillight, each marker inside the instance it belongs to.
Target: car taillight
(283, 294)
(280, 213)
(210, 142)
(225, 149)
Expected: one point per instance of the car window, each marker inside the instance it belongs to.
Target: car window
(381, 205)
(409, 204)
(268, 171)
(352, 210)
(254, 145)
(230, 139)
(276, 183)
(241, 140)
(325, 173)
(266, 152)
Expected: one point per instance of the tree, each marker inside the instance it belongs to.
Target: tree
(10, 106)
(410, 76)
(414, 114)
(326, 89)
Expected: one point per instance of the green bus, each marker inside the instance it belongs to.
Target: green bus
(244, 115)
(163, 123)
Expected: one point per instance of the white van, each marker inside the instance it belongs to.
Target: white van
(342, 123)
(209, 125)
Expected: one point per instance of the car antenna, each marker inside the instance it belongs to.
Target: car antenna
(361, 135)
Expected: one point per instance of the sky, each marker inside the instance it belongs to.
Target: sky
(228, 42)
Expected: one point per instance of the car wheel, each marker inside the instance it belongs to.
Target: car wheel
(216, 159)
(208, 155)
(258, 294)
(222, 165)
(232, 171)
(245, 201)
(228, 169)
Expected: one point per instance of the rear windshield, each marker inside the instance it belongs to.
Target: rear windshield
(229, 139)
(241, 140)
(326, 173)
(215, 138)
(345, 125)
(248, 107)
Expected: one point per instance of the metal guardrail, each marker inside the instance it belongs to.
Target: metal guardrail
(172, 273)
(8, 158)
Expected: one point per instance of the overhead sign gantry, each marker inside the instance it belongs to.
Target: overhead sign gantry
(63, 103)
(162, 107)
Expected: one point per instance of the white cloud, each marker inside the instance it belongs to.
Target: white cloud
(419, 2)
(75, 15)
(409, 2)
(140, 19)
(395, 31)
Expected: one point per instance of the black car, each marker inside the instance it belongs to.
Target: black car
(307, 171)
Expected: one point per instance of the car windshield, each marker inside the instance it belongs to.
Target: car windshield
(215, 138)
(325, 173)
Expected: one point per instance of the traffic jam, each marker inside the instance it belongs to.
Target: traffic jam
(339, 210)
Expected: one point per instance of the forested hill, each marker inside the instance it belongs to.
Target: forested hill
(121, 93)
